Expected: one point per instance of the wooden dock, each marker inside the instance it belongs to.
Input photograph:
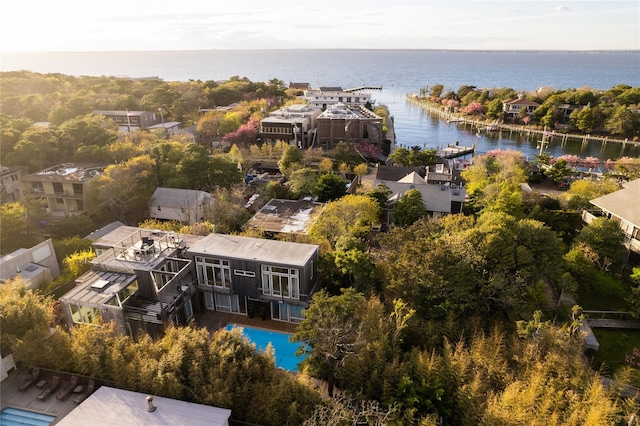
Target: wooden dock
(455, 151)
(489, 125)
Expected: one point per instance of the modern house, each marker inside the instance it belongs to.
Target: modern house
(623, 207)
(10, 184)
(285, 216)
(325, 97)
(183, 205)
(354, 125)
(62, 187)
(252, 276)
(442, 188)
(129, 121)
(139, 280)
(513, 107)
(35, 265)
(295, 124)
(144, 280)
(110, 406)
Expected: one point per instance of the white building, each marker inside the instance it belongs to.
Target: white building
(325, 97)
(184, 205)
(35, 265)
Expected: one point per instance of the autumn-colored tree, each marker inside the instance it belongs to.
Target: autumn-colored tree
(350, 215)
(24, 314)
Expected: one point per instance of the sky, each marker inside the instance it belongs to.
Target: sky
(139, 25)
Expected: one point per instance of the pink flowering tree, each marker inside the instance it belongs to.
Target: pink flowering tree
(245, 135)
(450, 104)
(591, 162)
(368, 150)
(474, 108)
(571, 160)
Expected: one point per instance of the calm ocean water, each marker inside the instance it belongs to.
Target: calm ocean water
(399, 72)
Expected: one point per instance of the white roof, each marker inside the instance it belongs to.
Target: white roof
(111, 406)
(414, 178)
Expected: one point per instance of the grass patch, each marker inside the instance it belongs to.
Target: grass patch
(600, 292)
(614, 346)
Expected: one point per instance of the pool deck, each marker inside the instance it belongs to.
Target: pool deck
(27, 400)
(214, 320)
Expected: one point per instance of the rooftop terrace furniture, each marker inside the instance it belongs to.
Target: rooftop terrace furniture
(53, 386)
(88, 391)
(67, 388)
(35, 374)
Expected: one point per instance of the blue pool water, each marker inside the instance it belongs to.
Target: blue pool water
(17, 417)
(285, 350)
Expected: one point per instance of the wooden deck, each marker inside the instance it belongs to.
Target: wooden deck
(27, 400)
(214, 320)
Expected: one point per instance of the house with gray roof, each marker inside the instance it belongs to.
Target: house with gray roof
(622, 206)
(183, 205)
(144, 280)
(442, 189)
(244, 276)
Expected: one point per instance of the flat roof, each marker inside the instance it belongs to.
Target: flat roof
(111, 406)
(289, 216)
(97, 287)
(268, 251)
(69, 172)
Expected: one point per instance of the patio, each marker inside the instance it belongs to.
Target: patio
(215, 320)
(28, 399)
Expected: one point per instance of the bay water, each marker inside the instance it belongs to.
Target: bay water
(398, 72)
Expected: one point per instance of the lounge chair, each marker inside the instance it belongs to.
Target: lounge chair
(53, 386)
(35, 374)
(88, 391)
(67, 388)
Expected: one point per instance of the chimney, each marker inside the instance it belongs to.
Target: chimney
(150, 407)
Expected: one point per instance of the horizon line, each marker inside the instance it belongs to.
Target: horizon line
(327, 49)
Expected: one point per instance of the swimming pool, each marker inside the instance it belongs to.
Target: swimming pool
(16, 417)
(285, 350)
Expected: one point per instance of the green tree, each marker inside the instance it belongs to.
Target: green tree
(558, 171)
(409, 208)
(332, 331)
(330, 187)
(303, 182)
(292, 159)
(123, 191)
(585, 119)
(605, 238)
(623, 122)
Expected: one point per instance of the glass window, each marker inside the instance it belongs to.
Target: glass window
(213, 272)
(279, 281)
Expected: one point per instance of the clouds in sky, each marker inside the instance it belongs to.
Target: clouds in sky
(42, 25)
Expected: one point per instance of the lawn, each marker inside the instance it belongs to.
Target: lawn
(614, 346)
